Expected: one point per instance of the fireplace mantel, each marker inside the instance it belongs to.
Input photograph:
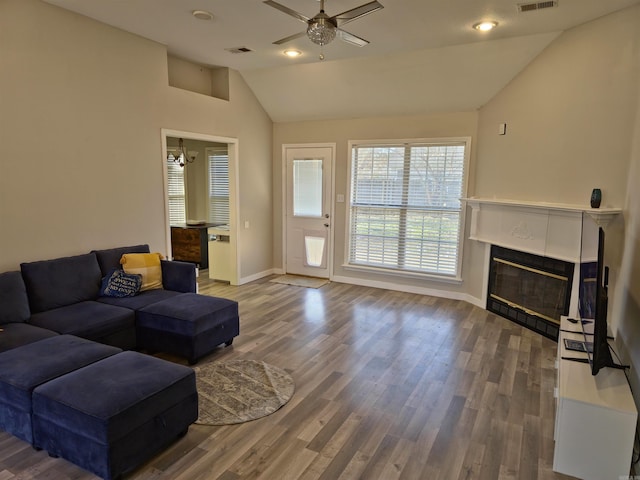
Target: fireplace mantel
(546, 229)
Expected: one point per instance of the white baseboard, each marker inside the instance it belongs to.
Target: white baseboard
(412, 289)
(259, 275)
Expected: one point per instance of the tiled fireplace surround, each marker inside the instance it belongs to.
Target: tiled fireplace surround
(544, 229)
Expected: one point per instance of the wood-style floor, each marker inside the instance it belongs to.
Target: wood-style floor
(389, 385)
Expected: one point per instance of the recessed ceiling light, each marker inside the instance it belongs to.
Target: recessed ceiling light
(292, 53)
(202, 15)
(485, 26)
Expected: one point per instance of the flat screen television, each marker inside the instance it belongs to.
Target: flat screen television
(593, 296)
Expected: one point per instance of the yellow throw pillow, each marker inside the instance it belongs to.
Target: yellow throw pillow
(145, 264)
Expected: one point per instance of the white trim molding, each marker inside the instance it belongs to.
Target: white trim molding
(547, 229)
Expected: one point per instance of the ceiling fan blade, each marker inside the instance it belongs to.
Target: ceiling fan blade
(287, 10)
(289, 38)
(351, 38)
(355, 13)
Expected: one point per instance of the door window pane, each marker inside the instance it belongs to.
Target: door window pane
(307, 188)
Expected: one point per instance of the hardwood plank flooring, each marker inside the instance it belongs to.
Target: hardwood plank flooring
(389, 385)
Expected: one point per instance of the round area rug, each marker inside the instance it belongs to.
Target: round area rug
(240, 390)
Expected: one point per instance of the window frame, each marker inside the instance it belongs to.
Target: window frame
(210, 152)
(453, 278)
(170, 164)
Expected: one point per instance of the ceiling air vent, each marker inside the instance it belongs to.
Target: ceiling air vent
(528, 7)
(239, 50)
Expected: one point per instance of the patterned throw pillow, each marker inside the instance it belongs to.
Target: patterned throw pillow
(145, 264)
(120, 284)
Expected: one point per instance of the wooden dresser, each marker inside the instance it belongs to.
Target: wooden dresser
(189, 244)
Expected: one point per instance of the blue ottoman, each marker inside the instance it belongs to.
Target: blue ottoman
(23, 369)
(189, 325)
(115, 414)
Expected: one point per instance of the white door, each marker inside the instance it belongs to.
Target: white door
(308, 207)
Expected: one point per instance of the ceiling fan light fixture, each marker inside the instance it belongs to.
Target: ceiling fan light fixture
(485, 26)
(321, 31)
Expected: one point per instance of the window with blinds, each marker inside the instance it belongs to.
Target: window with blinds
(218, 179)
(405, 211)
(177, 192)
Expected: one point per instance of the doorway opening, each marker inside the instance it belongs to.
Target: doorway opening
(201, 194)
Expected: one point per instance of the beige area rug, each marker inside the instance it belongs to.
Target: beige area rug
(240, 390)
(301, 281)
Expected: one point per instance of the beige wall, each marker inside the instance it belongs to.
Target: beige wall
(627, 307)
(569, 117)
(340, 132)
(83, 105)
(573, 123)
(241, 117)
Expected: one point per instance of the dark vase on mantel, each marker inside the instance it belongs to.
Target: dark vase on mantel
(596, 198)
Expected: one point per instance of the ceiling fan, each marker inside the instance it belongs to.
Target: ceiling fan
(322, 29)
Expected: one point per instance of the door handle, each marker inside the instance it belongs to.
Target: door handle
(326, 224)
(326, 215)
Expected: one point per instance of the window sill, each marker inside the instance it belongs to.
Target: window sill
(455, 280)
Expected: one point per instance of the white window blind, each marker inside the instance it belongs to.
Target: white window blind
(307, 187)
(218, 184)
(405, 211)
(177, 194)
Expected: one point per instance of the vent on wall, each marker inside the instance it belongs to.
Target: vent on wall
(528, 7)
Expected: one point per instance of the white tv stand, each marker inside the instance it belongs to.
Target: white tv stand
(595, 416)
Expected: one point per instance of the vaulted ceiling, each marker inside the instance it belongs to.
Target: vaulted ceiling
(423, 56)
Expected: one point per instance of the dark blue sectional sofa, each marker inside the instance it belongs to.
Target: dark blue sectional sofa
(61, 296)
(68, 365)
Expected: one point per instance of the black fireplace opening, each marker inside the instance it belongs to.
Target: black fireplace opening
(531, 290)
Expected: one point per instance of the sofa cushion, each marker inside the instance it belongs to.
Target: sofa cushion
(13, 298)
(141, 300)
(145, 264)
(15, 335)
(89, 319)
(188, 325)
(109, 259)
(62, 281)
(115, 414)
(188, 314)
(109, 398)
(120, 284)
(23, 369)
(179, 276)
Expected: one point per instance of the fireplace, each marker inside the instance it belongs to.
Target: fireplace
(529, 289)
(544, 238)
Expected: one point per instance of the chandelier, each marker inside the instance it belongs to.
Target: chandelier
(181, 157)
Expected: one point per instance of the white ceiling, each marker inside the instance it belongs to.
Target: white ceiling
(424, 55)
